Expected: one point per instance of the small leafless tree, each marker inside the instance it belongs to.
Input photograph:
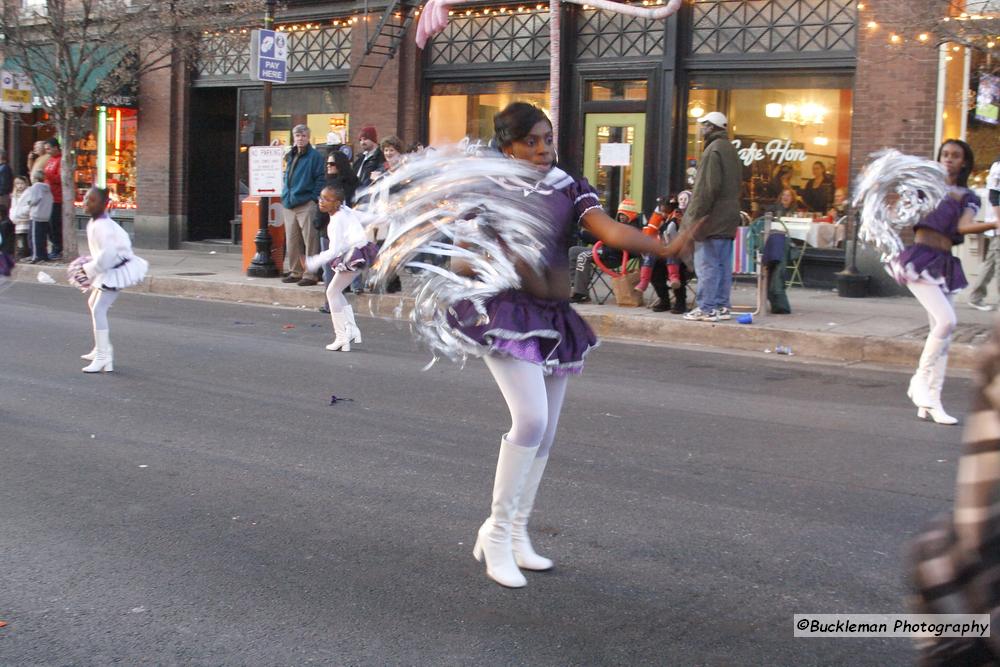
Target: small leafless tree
(78, 52)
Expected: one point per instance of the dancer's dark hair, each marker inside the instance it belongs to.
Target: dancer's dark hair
(515, 122)
(969, 160)
(103, 193)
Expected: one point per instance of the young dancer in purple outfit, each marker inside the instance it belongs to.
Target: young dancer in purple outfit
(929, 270)
(533, 339)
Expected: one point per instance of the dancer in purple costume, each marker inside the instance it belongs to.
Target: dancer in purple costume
(533, 339)
(929, 270)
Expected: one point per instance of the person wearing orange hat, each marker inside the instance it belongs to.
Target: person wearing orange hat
(628, 212)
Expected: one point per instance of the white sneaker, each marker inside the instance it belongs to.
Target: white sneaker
(979, 305)
(699, 315)
(723, 314)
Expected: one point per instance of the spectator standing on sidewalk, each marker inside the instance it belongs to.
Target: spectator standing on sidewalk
(37, 157)
(21, 216)
(304, 180)
(715, 197)
(53, 176)
(6, 181)
(39, 202)
(991, 248)
(371, 158)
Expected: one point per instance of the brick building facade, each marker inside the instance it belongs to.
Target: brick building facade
(802, 81)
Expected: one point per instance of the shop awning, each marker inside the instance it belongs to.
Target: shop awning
(107, 70)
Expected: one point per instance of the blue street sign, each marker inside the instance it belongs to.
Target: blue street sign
(269, 56)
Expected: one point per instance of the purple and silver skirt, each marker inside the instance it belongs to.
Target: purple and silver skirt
(922, 262)
(355, 260)
(540, 331)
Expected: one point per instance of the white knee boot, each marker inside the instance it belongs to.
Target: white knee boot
(93, 353)
(353, 332)
(494, 540)
(342, 341)
(919, 390)
(103, 360)
(934, 409)
(524, 553)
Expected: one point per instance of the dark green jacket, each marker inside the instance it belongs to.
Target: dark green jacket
(716, 192)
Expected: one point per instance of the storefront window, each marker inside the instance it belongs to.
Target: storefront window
(460, 110)
(787, 138)
(105, 156)
(322, 109)
(606, 91)
(969, 105)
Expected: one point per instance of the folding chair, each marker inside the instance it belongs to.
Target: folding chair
(796, 251)
(599, 278)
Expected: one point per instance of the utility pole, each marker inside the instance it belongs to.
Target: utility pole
(262, 266)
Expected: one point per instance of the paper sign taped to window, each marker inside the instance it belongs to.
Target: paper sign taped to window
(616, 155)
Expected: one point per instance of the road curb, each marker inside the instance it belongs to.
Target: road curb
(826, 346)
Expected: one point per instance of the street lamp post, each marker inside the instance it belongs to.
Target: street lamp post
(262, 266)
(851, 283)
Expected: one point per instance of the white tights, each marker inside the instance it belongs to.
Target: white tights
(938, 304)
(335, 290)
(534, 400)
(100, 303)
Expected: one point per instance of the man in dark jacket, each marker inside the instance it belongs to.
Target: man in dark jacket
(6, 180)
(371, 158)
(304, 179)
(715, 197)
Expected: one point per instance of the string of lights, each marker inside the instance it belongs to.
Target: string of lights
(472, 12)
(895, 38)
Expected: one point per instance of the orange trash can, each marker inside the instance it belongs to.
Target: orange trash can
(250, 211)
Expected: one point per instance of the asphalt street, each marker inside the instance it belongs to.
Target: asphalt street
(206, 504)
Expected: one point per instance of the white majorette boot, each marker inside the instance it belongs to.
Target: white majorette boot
(93, 353)
(342, 341)
(103, 360)
(353, 332)
(919, 390)
(524, 553)
(493, 542)
(934, 409)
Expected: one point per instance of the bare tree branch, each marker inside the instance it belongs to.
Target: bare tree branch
(78, 52)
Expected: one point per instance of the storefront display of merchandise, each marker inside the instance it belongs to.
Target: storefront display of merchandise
(105, 157)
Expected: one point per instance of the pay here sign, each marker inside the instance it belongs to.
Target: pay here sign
(269, 56)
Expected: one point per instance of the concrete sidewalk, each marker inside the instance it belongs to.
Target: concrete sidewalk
(888, 330)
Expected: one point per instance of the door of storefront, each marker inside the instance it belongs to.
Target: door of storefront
(614, 149)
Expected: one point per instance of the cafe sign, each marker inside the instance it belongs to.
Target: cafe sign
(778, 151)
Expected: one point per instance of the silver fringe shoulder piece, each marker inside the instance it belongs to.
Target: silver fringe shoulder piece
(448, 217)
(895, 191)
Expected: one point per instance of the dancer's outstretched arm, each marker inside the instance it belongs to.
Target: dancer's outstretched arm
(627, 237)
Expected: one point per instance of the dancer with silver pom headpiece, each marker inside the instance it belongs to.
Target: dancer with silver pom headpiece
(897, 191)
(501, 227)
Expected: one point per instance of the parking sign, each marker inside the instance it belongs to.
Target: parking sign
(15, 92)
(269, 56)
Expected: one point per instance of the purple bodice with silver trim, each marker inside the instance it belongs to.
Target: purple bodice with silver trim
(944, 219)
(563, 200)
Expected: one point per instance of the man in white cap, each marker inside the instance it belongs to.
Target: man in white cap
(715, 197)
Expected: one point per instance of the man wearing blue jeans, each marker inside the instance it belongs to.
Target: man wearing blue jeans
(716, 198)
